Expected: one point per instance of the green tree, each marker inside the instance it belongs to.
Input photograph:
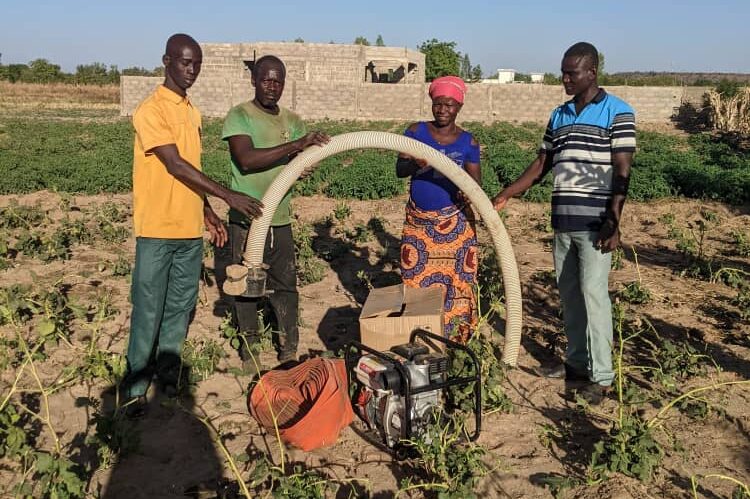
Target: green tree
(522, 77)
(476, 73)
(465, 69)
(379, 41)
(361, 40)
(138, 71)
(603, 77)
(96, 74)
(42, 71)
(551, 79)
(12, 72)
(441, 58)
(299, 40)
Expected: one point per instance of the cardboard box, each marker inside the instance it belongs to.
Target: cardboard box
(390, 314)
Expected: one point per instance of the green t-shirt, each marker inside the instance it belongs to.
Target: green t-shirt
(266, 130)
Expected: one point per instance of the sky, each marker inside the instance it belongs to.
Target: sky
(528, 36)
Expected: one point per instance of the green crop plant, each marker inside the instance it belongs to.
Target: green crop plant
(14, 216)
(7, 252)
(618, 255)
(631, 447)
(549, 433)
(121, 267)
(341, 211)
(202, 357)
(83, 156)
(310, 268)
(371, 175)
(115, 437)
(492, 371)
(691, 242)
(741, 242)
(634, 292)
(446, 461)
(492, 374)
(360, 234)
(46, 247)
(742, 302)
(490, 283)
(299, 484)
(76, 231)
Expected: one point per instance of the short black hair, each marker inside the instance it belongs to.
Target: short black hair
(176, 42)
(584, 49)
(266, 60)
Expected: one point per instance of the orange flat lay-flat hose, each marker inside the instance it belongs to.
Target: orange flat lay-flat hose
(310, 402)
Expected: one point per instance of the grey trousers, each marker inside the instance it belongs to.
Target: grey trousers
(582, 278)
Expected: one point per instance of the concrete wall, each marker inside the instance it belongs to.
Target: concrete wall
(314, 100)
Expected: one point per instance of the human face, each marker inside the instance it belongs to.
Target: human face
(578, 74)
(183, 67)
(269, 85)
(444, 110)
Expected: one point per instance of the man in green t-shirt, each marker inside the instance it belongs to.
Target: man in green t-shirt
(263, 137)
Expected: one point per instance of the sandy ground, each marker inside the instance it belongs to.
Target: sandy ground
(176, 451)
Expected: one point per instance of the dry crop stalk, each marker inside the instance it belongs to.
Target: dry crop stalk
(730, 114)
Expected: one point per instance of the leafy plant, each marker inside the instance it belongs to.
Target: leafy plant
(57, 476)
(115, 437)
(342, 211)
(742, 301)
(310, 269)
(741, 242)
(15, 216)
(36, 244)
(617, 258)
(630, 449)
(299, 484)
(691, 242)
(76, 231)
(371, 175)
(203, 357)
(635, 293)
(360, 234)
(452, 465)
(121, 267)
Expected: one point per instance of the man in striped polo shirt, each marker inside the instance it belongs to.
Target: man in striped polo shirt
(588, 145)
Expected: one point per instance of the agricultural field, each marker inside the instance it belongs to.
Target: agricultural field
(678, 424)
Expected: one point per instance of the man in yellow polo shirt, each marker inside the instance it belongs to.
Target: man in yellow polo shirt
(170, 209)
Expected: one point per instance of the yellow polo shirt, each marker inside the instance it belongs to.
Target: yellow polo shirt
(164, 207)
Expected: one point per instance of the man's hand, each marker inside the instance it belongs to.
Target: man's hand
(250, 207)
(313, 139)
(217, 233)
(609, 237)
(500, 201)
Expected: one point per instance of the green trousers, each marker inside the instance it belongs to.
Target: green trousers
(163, 292)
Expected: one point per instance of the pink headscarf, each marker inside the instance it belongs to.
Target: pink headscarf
(448, 86)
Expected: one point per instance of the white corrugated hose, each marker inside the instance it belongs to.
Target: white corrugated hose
(311, 156)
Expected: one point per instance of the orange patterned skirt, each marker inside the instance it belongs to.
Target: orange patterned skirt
(439, 248)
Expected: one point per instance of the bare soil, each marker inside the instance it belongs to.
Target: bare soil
(177, 452)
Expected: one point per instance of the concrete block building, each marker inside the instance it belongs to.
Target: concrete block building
(225, 75)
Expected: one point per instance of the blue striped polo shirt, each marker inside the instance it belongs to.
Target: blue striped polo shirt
(582, 146)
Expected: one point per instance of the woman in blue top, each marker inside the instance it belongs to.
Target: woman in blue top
(439, 244)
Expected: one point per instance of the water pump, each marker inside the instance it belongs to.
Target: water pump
(400, 392)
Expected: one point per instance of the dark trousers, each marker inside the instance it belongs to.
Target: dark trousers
(163, 292)
(278, 254)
